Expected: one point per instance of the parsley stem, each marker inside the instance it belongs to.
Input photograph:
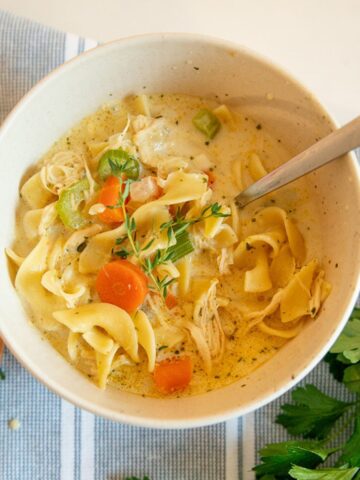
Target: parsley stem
(347, 422)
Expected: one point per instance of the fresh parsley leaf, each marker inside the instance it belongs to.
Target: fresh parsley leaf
(300, 473)
(348, 344)
(336, 365)
(2, 375)
(278, 458)
(313, 414)
(351, 450)
(352, 378)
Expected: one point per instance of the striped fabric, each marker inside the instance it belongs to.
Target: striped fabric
(57, 441)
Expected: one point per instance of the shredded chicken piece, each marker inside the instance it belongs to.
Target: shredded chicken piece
(64, 169)
(224, 260)
(206, 330)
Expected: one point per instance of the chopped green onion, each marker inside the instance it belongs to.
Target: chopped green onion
(68, 204)
(206, 122)
(118, 162)
(182, 247)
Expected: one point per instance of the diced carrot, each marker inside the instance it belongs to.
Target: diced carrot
(173, 374)
(123, 284)
(109, 196)
(171, 301)
(145, 190)
(211, 177)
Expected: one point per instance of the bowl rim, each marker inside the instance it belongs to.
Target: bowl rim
(231, 412)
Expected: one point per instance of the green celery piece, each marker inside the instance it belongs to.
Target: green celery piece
(352, 378)
(313, 414)
(182, 247)
(116, 162)
(348, 344)
(68, 197)
(351, 450)
(300, 473)
(278, 458)
(206, 122)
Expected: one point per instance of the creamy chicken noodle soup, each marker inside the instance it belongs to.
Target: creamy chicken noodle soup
(133, 261)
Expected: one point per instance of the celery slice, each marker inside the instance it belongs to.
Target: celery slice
(182, 247)
(69, 200)
(118, 162)
(206, 122)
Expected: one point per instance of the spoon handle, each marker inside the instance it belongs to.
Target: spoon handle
(330, 147)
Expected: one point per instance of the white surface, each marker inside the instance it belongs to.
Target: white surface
(120, 68)
(317, 41)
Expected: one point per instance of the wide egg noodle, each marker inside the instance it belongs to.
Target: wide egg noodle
(184, 267)
(14, 257)
(114, 320)
(256, 167)
(54, 284)
(258, 279)
(31, 222)
(98, 250)
(212, 225)
(273, 239)
(297, 294)
(282, 333)
(257, 316)
(146, 337)
(28, 284)
(34, 193)
(104, 363)
(282, 267)
(98, 340)
(271, 216)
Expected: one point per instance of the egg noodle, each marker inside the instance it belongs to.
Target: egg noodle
(132, 259)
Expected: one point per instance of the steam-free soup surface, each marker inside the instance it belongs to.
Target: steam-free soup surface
(211, 292)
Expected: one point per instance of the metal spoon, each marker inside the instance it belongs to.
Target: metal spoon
(324, 151)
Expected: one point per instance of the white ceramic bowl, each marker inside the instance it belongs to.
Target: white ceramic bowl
(166, 63)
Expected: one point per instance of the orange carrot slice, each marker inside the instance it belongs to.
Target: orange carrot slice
(109, 196)
(173, 375)
(123, 284)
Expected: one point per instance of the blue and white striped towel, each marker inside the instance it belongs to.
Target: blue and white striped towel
(57, 441)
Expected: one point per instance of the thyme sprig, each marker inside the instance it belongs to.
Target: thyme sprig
(179, 243)
(161, 256)
(181, 223)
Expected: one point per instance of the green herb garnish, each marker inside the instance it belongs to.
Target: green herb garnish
(112, 163)
(2, 375)
(206, 122)
(176, 230)
(314, 414)
(300, 473)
